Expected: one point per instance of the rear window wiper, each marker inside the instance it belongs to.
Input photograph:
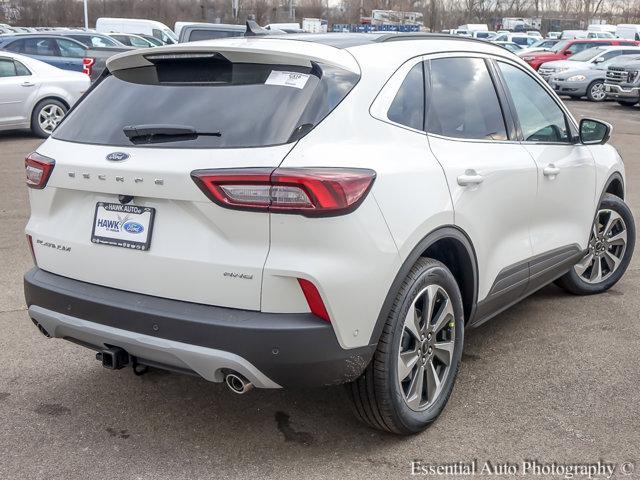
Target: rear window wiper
(160, 133)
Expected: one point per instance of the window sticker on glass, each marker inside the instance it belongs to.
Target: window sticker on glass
(287, 79)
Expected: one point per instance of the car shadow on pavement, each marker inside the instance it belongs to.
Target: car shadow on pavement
(17, 135)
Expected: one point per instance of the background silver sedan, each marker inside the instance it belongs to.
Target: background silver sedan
(586, 82)
(36, 95)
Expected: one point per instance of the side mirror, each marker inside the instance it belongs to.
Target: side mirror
(568, 52)
(599, 60)
(594, 132)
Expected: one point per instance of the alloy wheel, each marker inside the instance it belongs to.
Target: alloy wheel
(426, 347)
(49, 117)
(607, 245)
(597, 92)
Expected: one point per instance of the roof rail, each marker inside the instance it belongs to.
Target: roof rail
(396, 37)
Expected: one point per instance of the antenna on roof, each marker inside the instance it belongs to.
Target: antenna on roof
(255, 30)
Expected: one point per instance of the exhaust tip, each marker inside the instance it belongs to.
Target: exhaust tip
(237, 383)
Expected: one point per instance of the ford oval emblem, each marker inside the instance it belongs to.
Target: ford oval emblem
(117, 156)
(133, 227)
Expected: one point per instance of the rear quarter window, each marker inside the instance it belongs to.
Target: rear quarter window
(251, 105)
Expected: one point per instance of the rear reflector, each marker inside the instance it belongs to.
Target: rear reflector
(33, 253)
(306, 191)
(314, 300)
(38, 169)
(87, 65)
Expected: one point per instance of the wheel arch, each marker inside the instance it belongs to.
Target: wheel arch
(451, 246)
(614, 185)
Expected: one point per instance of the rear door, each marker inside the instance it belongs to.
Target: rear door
(491, 177)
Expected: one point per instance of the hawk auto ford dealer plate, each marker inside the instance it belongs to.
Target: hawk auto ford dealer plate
(127, 226)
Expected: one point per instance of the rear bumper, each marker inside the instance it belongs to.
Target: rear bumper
(271, 350)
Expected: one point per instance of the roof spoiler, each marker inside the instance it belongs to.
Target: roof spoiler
(255, 30)
(269, 50)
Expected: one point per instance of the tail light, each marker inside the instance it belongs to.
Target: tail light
(33, 252)
(87, 65)
(314, 300)
(38, 169)
(305, 191)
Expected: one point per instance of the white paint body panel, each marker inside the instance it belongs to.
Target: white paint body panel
(194, 241)
(496, 213)
(561, 215)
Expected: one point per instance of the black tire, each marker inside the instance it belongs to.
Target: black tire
(36, 128)
(627, 103)
(590, 93)
(377, 396)
(573, 283)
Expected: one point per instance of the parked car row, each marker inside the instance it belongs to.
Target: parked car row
(579, 68)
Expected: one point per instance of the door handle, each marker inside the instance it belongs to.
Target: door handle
(27, 84)
(470, 177)
(550, 171)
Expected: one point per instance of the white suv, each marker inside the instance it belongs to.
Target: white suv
(317, 210)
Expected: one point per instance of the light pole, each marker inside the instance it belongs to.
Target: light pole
(86, 15)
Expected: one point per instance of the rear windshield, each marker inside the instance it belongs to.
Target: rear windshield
(211, 34)
(230, 105)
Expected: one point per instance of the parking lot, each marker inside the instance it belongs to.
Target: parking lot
(555, 378)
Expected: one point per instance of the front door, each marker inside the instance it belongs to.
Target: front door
(564, 207)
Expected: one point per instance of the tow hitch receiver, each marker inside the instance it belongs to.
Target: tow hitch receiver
(113, 358)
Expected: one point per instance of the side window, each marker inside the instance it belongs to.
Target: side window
(122, 39)
(609, 55)
(7, 68)
(541, 119)
(463, 102)
(580, 46)
(139, 42)
(21, 70)
(407, 107)
(40, 46)
(70, 49)
(16, 47)
(95, 41)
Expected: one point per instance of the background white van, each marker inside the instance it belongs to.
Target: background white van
(632, 32)
(139, 26)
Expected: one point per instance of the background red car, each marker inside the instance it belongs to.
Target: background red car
(566, 48)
